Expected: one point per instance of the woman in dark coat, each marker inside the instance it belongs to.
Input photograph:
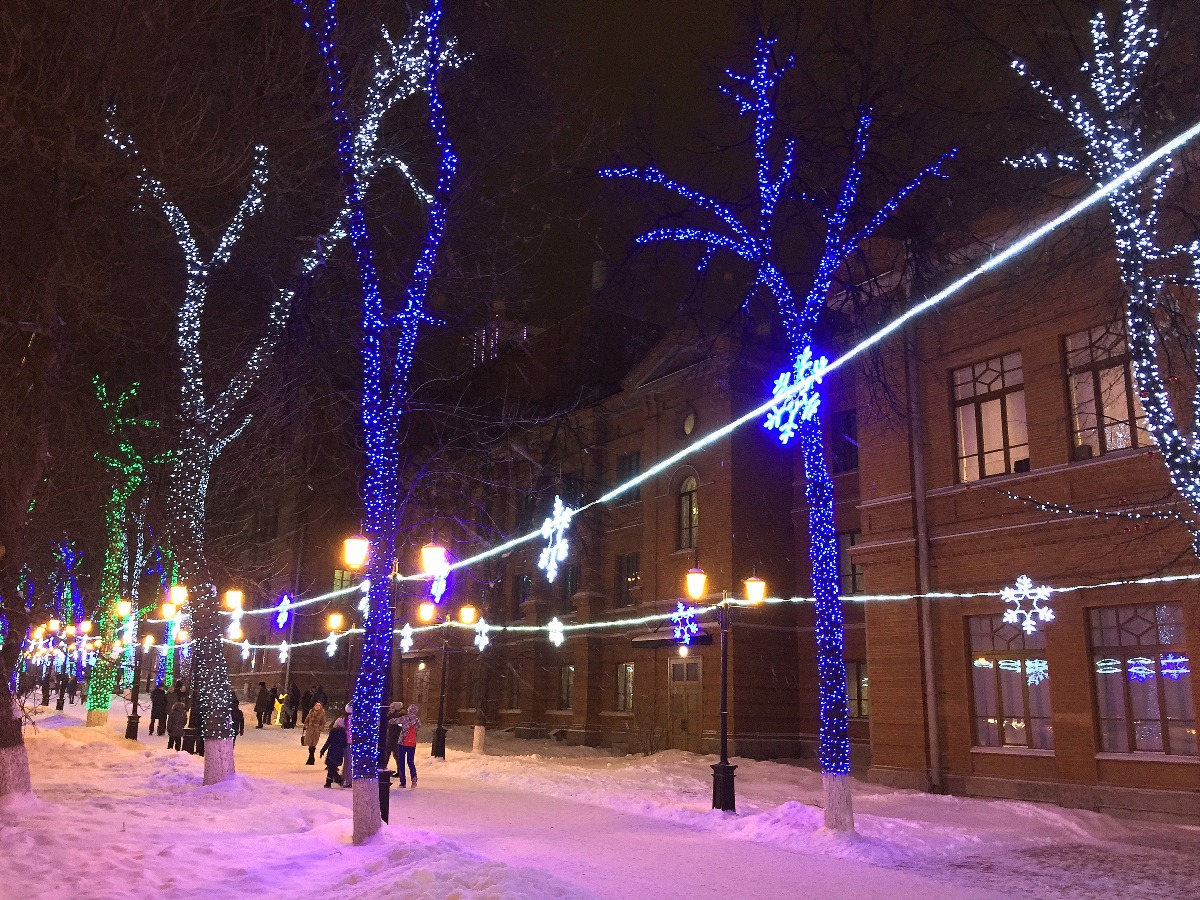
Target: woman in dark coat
(264, 704)
(334, 751)
(176, 721)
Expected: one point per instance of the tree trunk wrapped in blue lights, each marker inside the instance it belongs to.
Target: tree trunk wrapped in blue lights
(756, 94)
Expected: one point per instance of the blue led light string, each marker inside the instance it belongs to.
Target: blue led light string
(385, 371)
(756, 94)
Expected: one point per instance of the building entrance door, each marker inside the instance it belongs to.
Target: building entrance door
(685, 693)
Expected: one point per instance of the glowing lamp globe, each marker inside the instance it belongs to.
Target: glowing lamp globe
(467, 615)
(433, 559)
(168, 610)
(148, 642)
(234, 632)
(71, 647)
(683, 649)
(54, 625)
(336, 620)
(181, 636)
(354, 552)
(234, 599)
(756, 589)
(124, 608)
(179, 594)
(86, 626)
(426, 612)
(696, 581)
(421, 666)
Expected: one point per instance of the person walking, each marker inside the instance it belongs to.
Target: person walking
(406, 749)
(235, 713)
(176, 720)
(334, 752)
(319, 696)
(392, 740)
(263, 704)
(306, 703)
(72, 688)
(158, 709)
(314, 727)
(347, 776)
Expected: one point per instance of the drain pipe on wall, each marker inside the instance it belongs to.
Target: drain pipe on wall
(921, 534)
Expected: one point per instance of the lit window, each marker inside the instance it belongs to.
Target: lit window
(629, 577)
(689, 514)
(989, 418)
(625, 687)
(850, 573)
(1106, 414)
(1011, 681)
(858, 690)
(1143, 680)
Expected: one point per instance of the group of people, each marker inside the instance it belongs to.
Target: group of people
(274, 707)
(336, 751)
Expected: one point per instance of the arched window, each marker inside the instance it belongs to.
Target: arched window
(689, 514)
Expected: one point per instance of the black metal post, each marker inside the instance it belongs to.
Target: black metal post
(383, 771)
(60, 704)
(131, 723)
(439, 735)
(723, 772)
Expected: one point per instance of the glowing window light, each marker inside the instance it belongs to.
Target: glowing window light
(1175, 666)
(1142, 668)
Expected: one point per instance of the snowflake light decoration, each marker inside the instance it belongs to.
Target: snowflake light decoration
(283, 611)
(1036, 671)
(800, 405)
(684, 622)
(554, 631)
(437, 585)
(1036, 596)
(481, 634)
(406, 638)
(245, 649)
(331, 644)
(283, 652)
(1141, 669)
(1175, 666)
(234, 628)
(553, 530)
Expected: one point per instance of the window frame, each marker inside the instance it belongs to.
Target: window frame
(843, 442)
(625, 676)
(854, 571)
(994, 657)
(688, 510)
(1138, 432)
(1124, 654)
(625, 580)
(566, 687)
(977, 401)
(860, 697)
(629, 465)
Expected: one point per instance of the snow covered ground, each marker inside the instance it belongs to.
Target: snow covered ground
(534, 819)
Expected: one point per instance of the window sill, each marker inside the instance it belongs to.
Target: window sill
(559, 712)
(514, 710)
(1149, 758)
(617, 714)
(1012, 751)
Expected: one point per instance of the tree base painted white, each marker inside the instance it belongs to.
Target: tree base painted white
(218, 761)
(366, 810)
(478, 740)
(14, 771)
(839, 802)
(97, 718)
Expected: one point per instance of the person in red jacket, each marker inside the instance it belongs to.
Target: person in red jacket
(406, 749)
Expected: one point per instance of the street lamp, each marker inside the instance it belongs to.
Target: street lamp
(723, 773)
(139, 653)
(428, 612)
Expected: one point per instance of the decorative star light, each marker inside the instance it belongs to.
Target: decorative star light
(1036, 671)
(437, 586)
(1036, 596)
(406, 638)
(554, 630)
(245, 649)
(481, 634)
(283, 652)
(331, 644)
(684, 621)
(1175, 666)
(283, 610)
(553, 530)
(802, 403)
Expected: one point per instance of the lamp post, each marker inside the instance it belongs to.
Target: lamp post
(139, 653)
(724, 797)
(428, 613)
